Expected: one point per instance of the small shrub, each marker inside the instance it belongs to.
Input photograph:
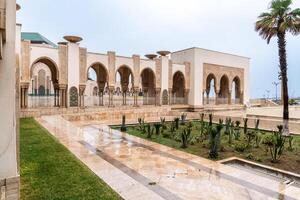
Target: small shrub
(240, 147)
(215, 140)
(163, 123)
(228, 129)
(275, 143)
(172, 129)
(237, 130)
(185, 136)
(176, 120)
(250, 156)
(245, 125)
(149, 131)
(157, 127)
(141, 122)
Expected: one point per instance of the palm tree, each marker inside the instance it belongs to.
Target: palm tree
(279, 20)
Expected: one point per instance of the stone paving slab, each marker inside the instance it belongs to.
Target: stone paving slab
(140, 169)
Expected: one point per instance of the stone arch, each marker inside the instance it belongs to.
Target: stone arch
(102, 77)
(224, 89)
(211, 77)
(126, 77)
(73, 95)
(236, 89)
(178, 84)
(148, 84)
(51, 65)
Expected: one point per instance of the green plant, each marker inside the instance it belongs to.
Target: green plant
(237, 130)
(210, 116)
(240, 147)
(176, 120)
(215, 139)
(245, 125)
(257, 136)
(290, 141)
(183, 117)
(275, 143)
(185, 136)
(202, 126)
(250, 135)
(228, 129)
(141, 122)
(123, 127)
(157, 127)
(163, 123)
(149, 131)
(172, 129)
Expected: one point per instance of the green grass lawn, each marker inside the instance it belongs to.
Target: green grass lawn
(50, 171)
(290, 160)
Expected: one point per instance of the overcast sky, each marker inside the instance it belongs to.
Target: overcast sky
(145, 26)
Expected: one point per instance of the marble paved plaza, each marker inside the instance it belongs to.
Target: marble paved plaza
(139, 169)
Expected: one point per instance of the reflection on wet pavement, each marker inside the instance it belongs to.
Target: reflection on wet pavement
(137, 168)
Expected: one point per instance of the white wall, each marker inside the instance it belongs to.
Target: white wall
(73, 67)
(224, 59)
(39, 51)
(8, 154)
(147, 64)
(93, 58)
(188, 55)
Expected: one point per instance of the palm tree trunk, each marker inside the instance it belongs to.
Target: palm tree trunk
(284, 81)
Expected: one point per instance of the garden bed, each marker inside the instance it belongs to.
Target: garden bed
(199, 144)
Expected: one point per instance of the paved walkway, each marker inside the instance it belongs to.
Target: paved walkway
(138, 169)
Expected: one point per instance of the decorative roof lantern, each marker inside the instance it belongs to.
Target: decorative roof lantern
(73, 39)
(151, 56)
(163, 53)
(18, 7)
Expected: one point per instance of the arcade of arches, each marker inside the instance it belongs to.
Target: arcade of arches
(58, 77)
(222, 86)
(44, 89)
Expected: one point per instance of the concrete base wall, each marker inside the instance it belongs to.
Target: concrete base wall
(9, 188)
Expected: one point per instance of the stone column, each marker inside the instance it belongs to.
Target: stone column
(170, 96)
(207, 97)
(157, 96)
(63, 95)
(81, 95)
(229, 97)
(124, 93)
(242, 97)
(186, 96)
(111, 96)
(217, 97)
(135, 96)
(101, 103)
(24, 95)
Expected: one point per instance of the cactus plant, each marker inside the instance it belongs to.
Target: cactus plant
(275, 143)
(215, 140)
(123, 127)
(176, 120)
(157, 127)
(185, 136)
(237, 131)
(149, 131)
(142, 124)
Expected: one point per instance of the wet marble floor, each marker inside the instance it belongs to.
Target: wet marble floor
(139, 169)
